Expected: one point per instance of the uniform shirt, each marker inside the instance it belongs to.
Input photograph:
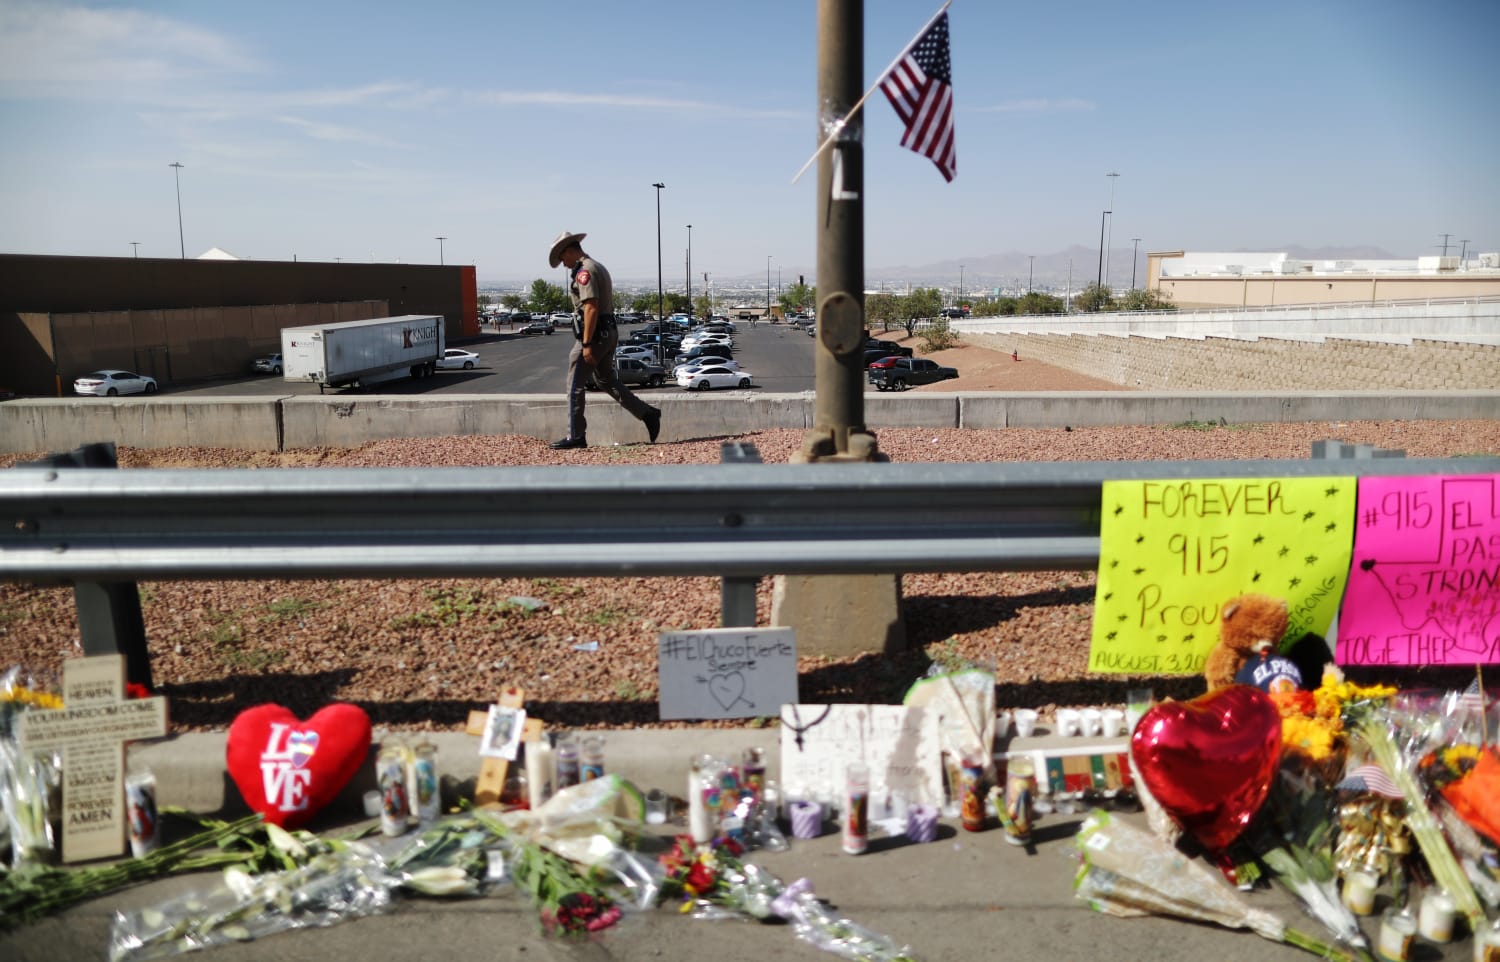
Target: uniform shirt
(590, 280)
(1271, 673)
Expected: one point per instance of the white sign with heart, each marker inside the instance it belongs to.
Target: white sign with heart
(726, 672)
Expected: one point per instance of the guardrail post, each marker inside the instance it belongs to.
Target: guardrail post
(109, 612)
(737, 594)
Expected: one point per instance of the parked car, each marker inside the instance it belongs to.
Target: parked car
(699, 363)
(954, 313)
(633, 370)
(712, 377)
(454, 358)
(707, 340)
(535, 327)
(267, 364)
(560, 319)
(635, 350)
(110, 382)
(702, 351)
(875, 350)
(907, 372)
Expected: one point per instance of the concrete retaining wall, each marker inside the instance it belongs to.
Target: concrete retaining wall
(270, 424)
(61, 424)
(1260, 364)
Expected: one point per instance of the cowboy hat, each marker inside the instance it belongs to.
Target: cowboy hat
(563, 242)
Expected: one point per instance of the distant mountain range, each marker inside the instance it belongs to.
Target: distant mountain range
(1073, 268)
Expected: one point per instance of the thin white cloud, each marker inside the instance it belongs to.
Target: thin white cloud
(338, 133)
(48, 49)
(563, 98)
(1037, 105)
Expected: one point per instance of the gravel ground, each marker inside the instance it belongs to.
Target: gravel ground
(422, 654)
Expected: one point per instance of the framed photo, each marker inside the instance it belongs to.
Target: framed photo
(502, 732)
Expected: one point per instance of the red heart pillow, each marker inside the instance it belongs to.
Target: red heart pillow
(1210, 761)
(289, 770)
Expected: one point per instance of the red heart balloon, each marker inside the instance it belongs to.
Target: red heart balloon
(1210, 761)
(289, 770)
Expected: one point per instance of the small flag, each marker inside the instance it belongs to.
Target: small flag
(920, 87)
(1370, 778)
(1472, 698)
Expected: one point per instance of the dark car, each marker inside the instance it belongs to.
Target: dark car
(875, 350)
(536, 327)
(907, 372)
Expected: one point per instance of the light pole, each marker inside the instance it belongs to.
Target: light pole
(690, 271)
(1099, 282)
(1113, 177)
(958, 301)
(440, 249)
(658, 259)
(135, 249)
(768, 288)
(1135, 254)
(177, 176)
(1030, 271)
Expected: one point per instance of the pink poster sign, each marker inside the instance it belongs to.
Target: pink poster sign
(1424, 584)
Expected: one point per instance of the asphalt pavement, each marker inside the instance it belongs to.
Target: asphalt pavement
(969, 895)
(780, 356)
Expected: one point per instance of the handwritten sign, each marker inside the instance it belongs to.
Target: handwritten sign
(1424, 588)
(726, 672)
(89, 729)
(1172, 552)
(900, 744)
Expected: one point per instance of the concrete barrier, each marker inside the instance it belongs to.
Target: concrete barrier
(271, 424)
(29, 425)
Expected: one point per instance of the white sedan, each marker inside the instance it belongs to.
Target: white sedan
(712, 377)
(697, 363)
(453, 358)
(109, 383)
(706, 340)
(636, 351)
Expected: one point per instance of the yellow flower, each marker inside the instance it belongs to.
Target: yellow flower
(34, 699)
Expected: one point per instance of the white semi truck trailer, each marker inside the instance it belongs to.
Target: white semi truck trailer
(362, 353)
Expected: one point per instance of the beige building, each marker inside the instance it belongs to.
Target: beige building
(1259, 279)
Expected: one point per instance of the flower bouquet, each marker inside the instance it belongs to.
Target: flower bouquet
(1126, 872)
(711, 881)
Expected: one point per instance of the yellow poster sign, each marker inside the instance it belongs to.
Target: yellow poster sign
(1172, 552)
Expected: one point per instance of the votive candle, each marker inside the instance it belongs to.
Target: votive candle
(1435, 921)
(921, 823)
(807, 819)
(1359, 891)
(1396, 931)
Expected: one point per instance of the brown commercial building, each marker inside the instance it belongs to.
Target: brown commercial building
(186, 320)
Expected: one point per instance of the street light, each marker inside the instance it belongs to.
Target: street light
(1135, 254)
(1113, 177)
(958, 301)
(177, 176)
(768, 288)
(440, 249)
(690, 271)
(135, 248)
(1030, 271)
(659, 296)
(1100, 281)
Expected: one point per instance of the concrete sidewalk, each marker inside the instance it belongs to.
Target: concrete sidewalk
(967, 896)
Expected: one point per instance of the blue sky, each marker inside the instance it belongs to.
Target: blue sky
(364, 130)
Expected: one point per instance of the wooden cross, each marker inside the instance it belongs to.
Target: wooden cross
(90, 729)
(492, 771)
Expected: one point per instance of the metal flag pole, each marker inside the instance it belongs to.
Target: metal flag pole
(834, 131)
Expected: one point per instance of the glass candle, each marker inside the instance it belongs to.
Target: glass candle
(1435, 921)
(1487, 943)
(1359, 891)
(541, 773)
(428, 791)
(568, 772)
(753, 770)
(1397, 928)
(857, 809)
(701, 819)
(591, 758)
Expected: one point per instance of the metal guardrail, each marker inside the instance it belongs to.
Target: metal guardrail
(103, 530)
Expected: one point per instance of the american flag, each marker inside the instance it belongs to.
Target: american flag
(1370, 778)
(920, 87)
(1472, 698)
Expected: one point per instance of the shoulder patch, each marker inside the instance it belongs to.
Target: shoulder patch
(582, 277)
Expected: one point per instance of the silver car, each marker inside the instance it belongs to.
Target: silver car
(110, 382)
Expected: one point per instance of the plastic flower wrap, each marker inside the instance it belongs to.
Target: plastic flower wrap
(1126, 872)
(712, 882)
(29, 781)
(1398, 735)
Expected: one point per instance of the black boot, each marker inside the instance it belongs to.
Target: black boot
(568, 443)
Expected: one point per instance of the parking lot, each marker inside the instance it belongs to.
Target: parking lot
(779, 358)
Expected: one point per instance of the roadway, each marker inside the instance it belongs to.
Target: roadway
(779, 358)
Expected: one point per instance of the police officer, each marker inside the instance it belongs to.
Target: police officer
(593, 297)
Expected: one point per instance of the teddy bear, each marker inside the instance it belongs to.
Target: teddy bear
(1250, 628)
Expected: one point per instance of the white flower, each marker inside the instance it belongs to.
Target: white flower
(285, 842)
(440, 880)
